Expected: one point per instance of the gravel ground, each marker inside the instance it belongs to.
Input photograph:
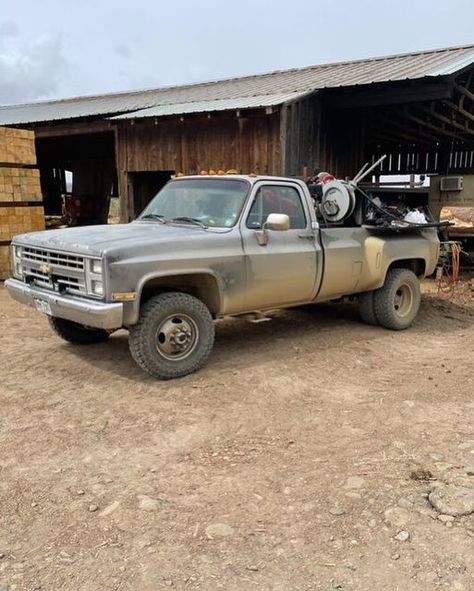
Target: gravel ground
(301, 457)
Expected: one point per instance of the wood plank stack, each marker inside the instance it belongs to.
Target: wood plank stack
(21, 207)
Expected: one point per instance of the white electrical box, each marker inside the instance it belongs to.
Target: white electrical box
(451, 183)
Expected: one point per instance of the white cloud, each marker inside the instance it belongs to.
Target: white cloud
(32, 70)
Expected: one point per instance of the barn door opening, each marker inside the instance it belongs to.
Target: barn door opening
(78, 177)
(145, 186)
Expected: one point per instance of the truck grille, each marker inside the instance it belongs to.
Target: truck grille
(54, 270)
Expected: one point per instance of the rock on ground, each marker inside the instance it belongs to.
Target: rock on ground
(453, 500)
(402, 536)
(146, 503)
(219, 530)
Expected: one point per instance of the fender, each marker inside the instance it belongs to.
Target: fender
(418, 252)
(212, 294)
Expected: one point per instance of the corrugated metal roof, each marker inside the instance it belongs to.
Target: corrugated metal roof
(248, 90)
(246, 102)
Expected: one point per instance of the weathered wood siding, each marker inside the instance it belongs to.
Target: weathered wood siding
(247, 143)
(316, 137)
(301, 136)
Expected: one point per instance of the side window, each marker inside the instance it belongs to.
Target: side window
(274, 199)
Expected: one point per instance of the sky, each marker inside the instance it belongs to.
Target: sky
(63, 48)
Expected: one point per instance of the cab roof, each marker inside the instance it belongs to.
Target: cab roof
(251, 178)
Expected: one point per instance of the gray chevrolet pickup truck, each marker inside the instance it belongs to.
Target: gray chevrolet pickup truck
(212, 246)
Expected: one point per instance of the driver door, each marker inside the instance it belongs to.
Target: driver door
(284, 270)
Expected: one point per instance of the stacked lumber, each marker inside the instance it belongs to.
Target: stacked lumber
(17, 146)
(19, 184)
(21, 207)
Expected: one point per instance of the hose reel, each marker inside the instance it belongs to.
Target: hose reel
(338, 201)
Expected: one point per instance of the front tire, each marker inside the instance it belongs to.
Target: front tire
(397, 302)
(173, 337)
(77, 334)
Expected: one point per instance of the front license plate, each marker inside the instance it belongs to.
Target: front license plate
(42, 306)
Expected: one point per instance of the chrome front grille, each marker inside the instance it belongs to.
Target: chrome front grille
(58, 259)
(54, 270)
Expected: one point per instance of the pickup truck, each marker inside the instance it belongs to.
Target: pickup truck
(207, 247)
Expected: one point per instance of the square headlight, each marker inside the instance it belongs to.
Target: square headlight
(96, 266)
(16, 266)
(97, 288)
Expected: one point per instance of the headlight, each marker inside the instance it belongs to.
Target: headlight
(94, 277)
(17, 269)
(96, 266)
(97, 288)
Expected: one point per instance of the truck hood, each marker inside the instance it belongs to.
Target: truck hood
(95, 240)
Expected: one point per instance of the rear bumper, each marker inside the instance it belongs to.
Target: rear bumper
(90, 313)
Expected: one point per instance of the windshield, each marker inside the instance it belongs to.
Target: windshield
(211, 202)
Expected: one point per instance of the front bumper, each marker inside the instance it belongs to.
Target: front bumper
(90, 313)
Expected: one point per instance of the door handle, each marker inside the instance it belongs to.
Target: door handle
(307, 235)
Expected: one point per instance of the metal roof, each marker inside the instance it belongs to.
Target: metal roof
(248, 92)
(206, 106)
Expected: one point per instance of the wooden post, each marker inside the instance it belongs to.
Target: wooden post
(283, 130)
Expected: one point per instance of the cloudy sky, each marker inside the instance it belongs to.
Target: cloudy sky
(60, 48)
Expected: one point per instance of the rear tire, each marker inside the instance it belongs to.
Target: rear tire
(77, 334)
(366, 308)
(397, 302)
(173, 337)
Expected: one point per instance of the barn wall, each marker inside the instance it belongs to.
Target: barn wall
(316, 137)
(342, 141)
(249, 143)
(301, 136)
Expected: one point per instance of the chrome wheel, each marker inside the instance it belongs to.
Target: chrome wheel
(403, 300)
(176, 337)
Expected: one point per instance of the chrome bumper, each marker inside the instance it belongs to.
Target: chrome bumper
(90, 313)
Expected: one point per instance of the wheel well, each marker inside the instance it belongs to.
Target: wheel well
(418, 266)
(201, 285)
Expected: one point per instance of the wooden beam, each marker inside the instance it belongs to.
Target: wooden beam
(389, 94)
(80, 128)
(464, 91)
(459, 109)
(398, 136)
(432, 112)
(468, 83)
(440, 130)
(283, 132)
(403, 128)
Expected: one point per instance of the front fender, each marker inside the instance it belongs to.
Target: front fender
(197, 280)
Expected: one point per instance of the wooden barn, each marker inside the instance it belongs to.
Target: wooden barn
(418, 108)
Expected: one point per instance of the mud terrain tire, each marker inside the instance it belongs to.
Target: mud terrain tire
(173, 337)
(397, 302)
(366, 308)
(77, 334)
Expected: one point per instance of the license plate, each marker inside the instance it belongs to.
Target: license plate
(42, 306)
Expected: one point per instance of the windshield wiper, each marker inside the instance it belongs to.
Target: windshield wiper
(189, 220)
(153, 216)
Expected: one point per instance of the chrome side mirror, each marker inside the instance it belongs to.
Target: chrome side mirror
(278, 222)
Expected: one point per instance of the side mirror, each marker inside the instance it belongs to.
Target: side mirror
(278, 222)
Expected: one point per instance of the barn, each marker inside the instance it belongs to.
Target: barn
(417, 108)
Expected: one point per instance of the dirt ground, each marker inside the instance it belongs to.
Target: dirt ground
(284, 465)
